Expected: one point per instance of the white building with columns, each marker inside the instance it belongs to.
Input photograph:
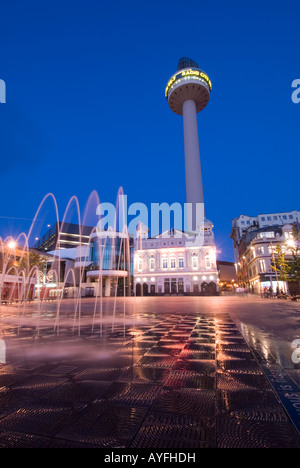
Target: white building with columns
(176, 263)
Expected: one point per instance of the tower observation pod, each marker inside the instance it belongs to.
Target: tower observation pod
(188, 92)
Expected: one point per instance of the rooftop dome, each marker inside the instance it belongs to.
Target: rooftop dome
(186, 62)
(207, 225)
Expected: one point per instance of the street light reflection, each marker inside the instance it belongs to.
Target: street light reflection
(2, 352)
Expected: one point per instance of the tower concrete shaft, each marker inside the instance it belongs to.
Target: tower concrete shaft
(193, 173)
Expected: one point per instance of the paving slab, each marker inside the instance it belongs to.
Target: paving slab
(170, 373)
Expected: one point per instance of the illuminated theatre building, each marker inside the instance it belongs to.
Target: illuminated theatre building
(175, 263)
(182, 262)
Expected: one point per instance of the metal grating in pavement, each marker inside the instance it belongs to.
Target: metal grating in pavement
(181, 381)
(238, 433)
(188, 379)
(172, 430)
(132, 394)
(199, 403)
(105, 425)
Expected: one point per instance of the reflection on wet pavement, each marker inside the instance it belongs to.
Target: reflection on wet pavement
(181, 378)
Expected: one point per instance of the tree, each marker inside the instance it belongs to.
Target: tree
(288, 269)
(294, 273)
(280, 264)
(294, 264)
(31, 259)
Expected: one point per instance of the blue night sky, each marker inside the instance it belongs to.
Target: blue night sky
(86, 108)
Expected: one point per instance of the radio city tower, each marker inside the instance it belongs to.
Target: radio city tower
(188, 92)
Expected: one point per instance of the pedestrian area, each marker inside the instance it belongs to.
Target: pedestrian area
(174, 381)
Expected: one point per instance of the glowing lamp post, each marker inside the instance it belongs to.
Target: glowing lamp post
(10, 248)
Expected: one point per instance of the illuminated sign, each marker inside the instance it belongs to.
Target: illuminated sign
(193, 72)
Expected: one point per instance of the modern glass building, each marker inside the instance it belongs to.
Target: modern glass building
(63, 235)
(111, 267)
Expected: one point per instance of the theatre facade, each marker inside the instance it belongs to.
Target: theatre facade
(176, 263)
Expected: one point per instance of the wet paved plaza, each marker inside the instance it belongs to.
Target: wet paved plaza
(169, 372)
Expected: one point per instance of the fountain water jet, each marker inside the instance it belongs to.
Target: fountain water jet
(113, 240)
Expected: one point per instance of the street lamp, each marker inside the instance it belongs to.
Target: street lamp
(291, 243)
